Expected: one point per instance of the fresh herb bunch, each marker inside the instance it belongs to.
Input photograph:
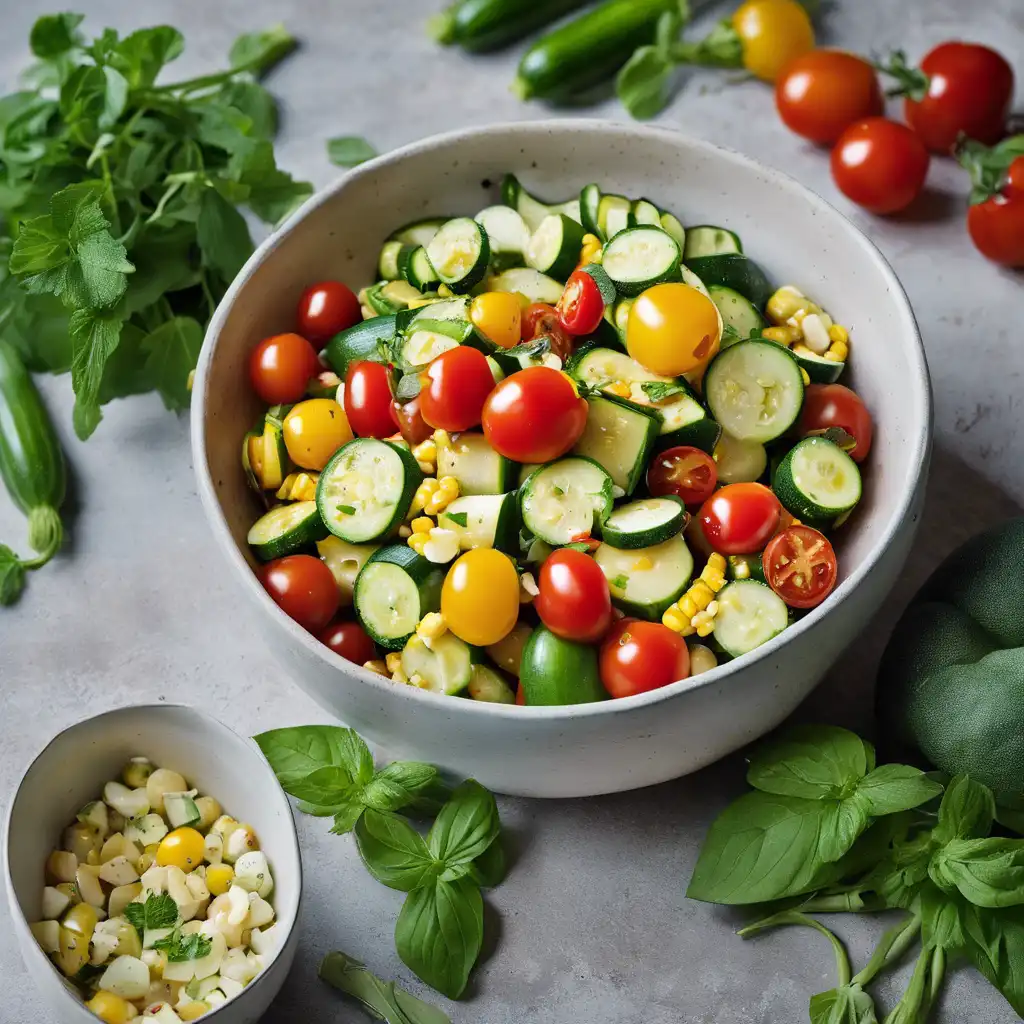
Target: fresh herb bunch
(439, 932)
(827, 831)
(119, 204)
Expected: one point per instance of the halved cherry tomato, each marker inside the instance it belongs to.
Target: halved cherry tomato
(368, 399)
(581, 307)
(574, 601)
(326, 308)
(455, 386)
(535, 415)
(832, 405)
(498, 315)
(480, 596)
(314, 430)
(686, 472)
(638, 656)
(740, 519)
(350, 640)
(673, 329)
(772, 33)
(280, 368)
(880, 164)
(539, 320)
(303, 587)
(409, 420)
(800, 566)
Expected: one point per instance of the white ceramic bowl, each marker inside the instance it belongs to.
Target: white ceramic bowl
(797, 237)
(71, 770)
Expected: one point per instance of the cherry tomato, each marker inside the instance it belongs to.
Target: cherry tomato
(996, 225)
(368, 399)
(314, 430)
(673, 329)
(740, 519)
(182, 849)
(574, 601)
(455, 386)
(350, 640)
(686, 472)
(480, 596)
(772, 33)
(303, 587)
(638, 656)
(280, 368)
(539, 320)
(880, 165)
(409, 420)
(498, 315)
(832, 405)
(326, 308)
(821, 93)
(581, 307)
(521, 696)
(535, 415)
(800, 566)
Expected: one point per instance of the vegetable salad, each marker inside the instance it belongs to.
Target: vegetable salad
(575, 445)
(156, 902)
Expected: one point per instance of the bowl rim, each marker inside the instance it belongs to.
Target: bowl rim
(21, 923)
(919, 457)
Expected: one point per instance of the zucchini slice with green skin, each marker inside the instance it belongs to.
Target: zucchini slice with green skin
(738, 312)
(506, 231)
(590, 202)
(754, 390)
(819, 369)
(645, 581)
(709, 240)
(619, 436)
(566, 499)
(276, 463)
(414, 266)
(369, 339)
(555, 671)
(389, 297)
(554, 247)
(445, 666)
(484, 521)
(478, 468)
(285, 530)
(749, 615)
(418, 232)
(537, 287)
(365, 491)
(387, 265)
(645, 212)
(735, 271)
(745, 567)
(818, 482)
(739, 462)
(689, 277)
(639, 258)
(394, 590)
(460, 254)
(647, 521)
(614, 214)
(425, 338)
(532, 209)
(489, 685)
(674, 226)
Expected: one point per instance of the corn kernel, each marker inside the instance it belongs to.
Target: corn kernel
(805, 377)
(423, 494)
(703, 623)
(642, 564)
(431, 626)
(702, 659)
(837, 332)
(426, 455)
(422, 524)
(786, 301)
(404, 532)
(418, 541)
(393, 660)
(837, 352)
(677, 621)
(444, 494)
(298, 487)
(781, 335)
(376, 665)
(442, 439)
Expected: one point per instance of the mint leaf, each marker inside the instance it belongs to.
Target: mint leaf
(223, 235)
(659, 391)
(157, 911)
(172, 351)
(180, 948)
(349, 151)
(94, 337)
(54, 34)
(258, 52)
(12, 576)
(393, 851)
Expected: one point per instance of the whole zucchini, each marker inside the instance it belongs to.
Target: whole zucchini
(483, 25)
(589, 50)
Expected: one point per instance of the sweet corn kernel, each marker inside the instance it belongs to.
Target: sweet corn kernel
(298, 487)
(446, 492)
(642, 564)
(805, 377)
(393, 660)
(703, 623)
(426, 455)
(837, 332)
(781, 335)
(377, 666)
(786, 301)
(837, 352)
(702, 659)
(219, 878)
(677, 621)
(431, 626)
(423, 494)
(619, 388)
(442, 439)
(404, 532)
(418, 541)
(422, 524)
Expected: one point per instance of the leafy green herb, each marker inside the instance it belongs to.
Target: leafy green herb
(577, 546)
(393, 851)
(157, 911)
(988, 165)
(382, 999)
(459, 518)
(660, 391)
(180, 948)
(345, 510)
(349, 151)
(408, 387)
(604, 283)
(619, 582)
(12, 576)
(643, 85)
(532, 349)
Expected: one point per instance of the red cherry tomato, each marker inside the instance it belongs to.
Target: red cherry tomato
(800, 566)
(638, 656)
(534, 415)
(996, 225)
(303, 587)
(574, 601)
(832, 405)
(455, 386)
(686, 472)
(280, 368)
(520, 696)
(581, 307)
(880, 165)
(326, 308)
(368, 399)
(821, 93)
(740, 519)
(350, 640)
(542, 319)
(409, 420)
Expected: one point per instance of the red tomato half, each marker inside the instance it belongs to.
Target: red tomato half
(686, 472)
(880, 165)
(303, 587)
(409, 420)
(581, 308)
(740, 519)
(535, 415)
(350, 640)
(368, 399)
(574, 601)
(833, 405)
(800, 566)
(326, 308)
(455, 386)
(638, 656)
(540, 319)
(280, 368)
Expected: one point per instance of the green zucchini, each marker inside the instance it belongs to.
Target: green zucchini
(736, 271)
(394, 590)
(460, 253)
(554, 248)
(368, 339)
(286, 529)
(483, 25)
(818, 482)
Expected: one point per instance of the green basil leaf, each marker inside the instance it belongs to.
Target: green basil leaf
(94, 337)
(12, 576)
(393, 851)
(53, 35)
(349, 151)
(381, 999)
(849, 1004)
(891, 788)
(841, 824)
(465, 826)
(490, 867)
(346, 815)
(643, 83)
(994, 942)
(659, 390)
(258, 52)
(172, 351)
(967, 811)
(223, 235)
(296, 751)
(325, 786)
(399, 784)
(813, 761)
(988, 872)
(439, 934)
(940, 919)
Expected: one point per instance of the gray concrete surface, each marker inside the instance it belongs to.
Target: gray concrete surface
(592, 924)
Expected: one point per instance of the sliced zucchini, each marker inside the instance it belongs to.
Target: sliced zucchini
(478, 468)
(645, 212)
(506, 231)
(754, 390)
(389, 297)
(460, 252)
(532, 209)
(735, 271)
(444, 667)
(819, 369)
(387, 265)
(739, 462)
(614, 214)
(818, 482)
(419, 232)
(639, 524)
(708, 240)
(286, 529)
(394, 590)
(274, 453)
(745, 567)
(690, 278)
(565, 500)
(345, 561)
(366, 489)
(425, 339)
(180, 809)
(456, 309)
(489, 685)
(620, 316)
(749, 614)
(537, 287)
(738, 312)
(590, 201)
(415, 267)
(645, 581)
(618, 436)
(484, 521)
(369, 339)
(639, 258)
(674, 226)
(554, 247)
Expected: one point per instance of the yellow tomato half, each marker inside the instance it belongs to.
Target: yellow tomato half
(498, 315)
(480, 597)
(773, 32)
(673, 329)
(314, 430)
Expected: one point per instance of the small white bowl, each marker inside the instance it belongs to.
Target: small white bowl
(71, 770)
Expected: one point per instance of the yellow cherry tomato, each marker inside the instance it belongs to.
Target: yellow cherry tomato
(480, 597)
(111, 1009)
(182, 848)
(773, 32)
(314, 430)
(219, 878)
(673, 329)
(498, 316)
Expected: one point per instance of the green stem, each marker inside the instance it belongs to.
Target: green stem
(895, 942)
(45, 534)
(936, 976)
(912, 1007)
(794, 917)
(851, 902)
(206, 81)
(210, 301)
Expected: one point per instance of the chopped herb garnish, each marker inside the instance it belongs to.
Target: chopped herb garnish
(458, 517)
(180, 948)
(660, 390)
(158, 911)
(619, 582)
(347, 510)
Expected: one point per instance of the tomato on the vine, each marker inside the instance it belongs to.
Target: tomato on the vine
(638, 656)
(833, 405)
(995, 220)
(581, 307)
(350, 640)
(541, 320)
(304, 588)
(574, 601)
(800, 566)
(880, 164)
(280, 367)
(772, 33)
(326, 308)
(368, 399)
(740, 519)
(686, 472)
(455, 386)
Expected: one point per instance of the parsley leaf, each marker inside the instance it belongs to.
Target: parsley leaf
(460, 518)
(349, 151)
(157, 911)
(54, 34)
(619, 582)
(260, 51)
(171, 354)
(180, 948)
(94, 337)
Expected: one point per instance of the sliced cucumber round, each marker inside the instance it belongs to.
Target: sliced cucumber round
(460, 252)
(645, 212)
(754, 390)
(590, 202)
(285, 529)
(639, 258)
(419, 232)
(566, 499)
(478, 468)
(387, 265)
(532, 209)
(345, 562)
(674, 226)
(647, 521)
(484, 521)
(709, 240)
(423, 346)
(415, 267)
(537, 287)
(739, 461)
(443, 667)
(818, 482)
(733, 270)
(614, 214)
(738, 312)
(554, 247)
(690, 278)
(366, 489)
(645, 581)
(489, 685)
(619, 436)
(749, 614)
(393, 591)
(506, 230)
